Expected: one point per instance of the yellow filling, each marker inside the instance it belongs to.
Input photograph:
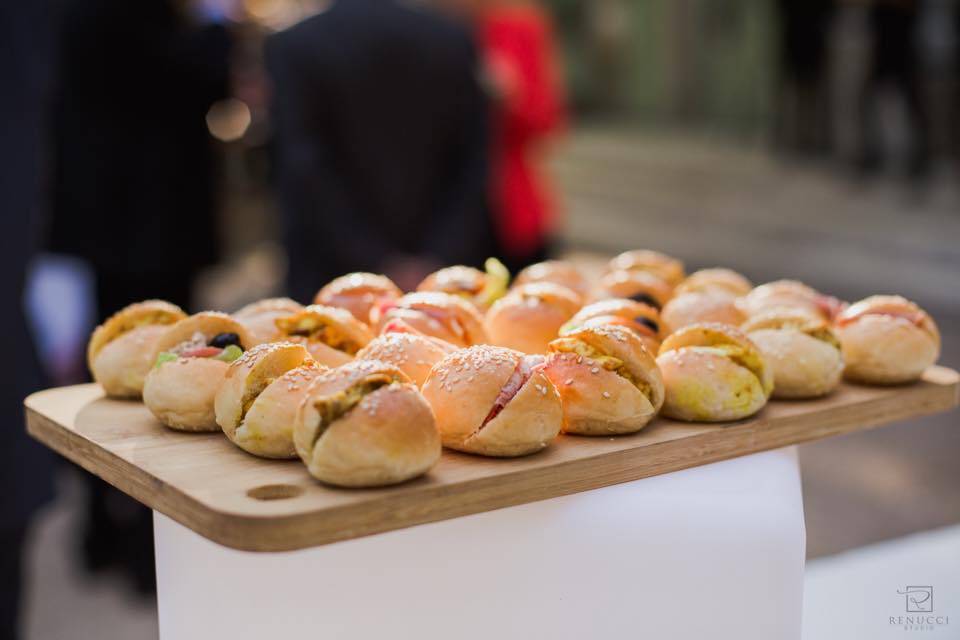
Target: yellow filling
(252, 393)
(746, 358)
(608, 362)
(332, 408)
(316, 329)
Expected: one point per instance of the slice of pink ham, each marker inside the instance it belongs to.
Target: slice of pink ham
(883, 310)
(526, 367)
(202, 352)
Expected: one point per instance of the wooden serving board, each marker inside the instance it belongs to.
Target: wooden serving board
(209, 485)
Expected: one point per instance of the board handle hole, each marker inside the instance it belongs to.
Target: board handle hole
(275, 492)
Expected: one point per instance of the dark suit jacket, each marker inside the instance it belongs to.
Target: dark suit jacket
(381, 140)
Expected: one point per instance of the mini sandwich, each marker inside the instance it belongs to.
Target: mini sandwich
(260, 317)
(701, 306)
(261, 392)
(412, 353)
(790, 294)
(802, 351)
(530, 316)
(365, 425)
(192, 358)
(439, 315)
(666, 268)
(715, 280)
(358, 293)
(331, 335)
(121, 350)
(640, 318)
(559, 272)
(713, 373)
(480, 288)
(887, 340)
(639, 286)
(493, 401)
(608, 382)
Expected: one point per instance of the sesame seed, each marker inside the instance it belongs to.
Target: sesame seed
(606, 394)
(568, 381)
(595, 370)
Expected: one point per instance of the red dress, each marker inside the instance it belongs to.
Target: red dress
(518, 48)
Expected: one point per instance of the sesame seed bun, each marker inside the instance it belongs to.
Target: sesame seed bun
(640, 318)
(887, 340)
(337, 335)
(706, 306)
(440, 315)
(641, 286)
(558, 272)
(530, 316)
(464, 388)
(245, 383)
(386, 437)
(788, 293)
(413, 354)
(461, 281)
(608, 382)
(259, 317)
(716, 279)
(121, 350)
(669, 269)
(358, 293)
(206, 323)
(713, 373)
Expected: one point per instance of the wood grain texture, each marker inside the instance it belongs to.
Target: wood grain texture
(209, 485)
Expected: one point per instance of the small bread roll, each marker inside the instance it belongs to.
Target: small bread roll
(790, 294)
(802, 351)
(559, 272)
(358, 293)
(887, 340)
(715, 280)
(257, 401)
(707, 306)
(413, 354)
(713, 373)
(260, 317)
(493, 401)
(666, 268)
(180, 392)
(479, 288)
(639, 286)
(332, 335)
(530, 316)
(640, 318)
(608, 382)
(121, 350)
(365, 425)
(440, 315)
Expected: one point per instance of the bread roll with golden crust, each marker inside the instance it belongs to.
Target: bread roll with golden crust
(440, 315)
(121, 350)
(530, 316)
(802, 351)
(332, 335)
(412, 353)
(180, 392)
(691, 308)
(887, 340)
(608, 382)
(666, 268)
(639, 286)
(640, 318)
(717, 279)
(493, 401)
(365, 425)
(560, 272)
(713, 373)
(358, 293)
(790, 294)
(260, 317)
(257, 401)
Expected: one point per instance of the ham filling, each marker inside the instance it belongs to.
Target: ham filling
(912, 316)
(526, 367)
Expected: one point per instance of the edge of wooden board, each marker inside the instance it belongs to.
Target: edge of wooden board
(435, 502)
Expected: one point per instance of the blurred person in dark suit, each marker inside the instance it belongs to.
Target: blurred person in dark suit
(135, 185)
(381, 144)
(895, 64)
(25, 467)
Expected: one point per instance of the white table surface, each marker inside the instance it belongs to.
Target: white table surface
(711, 552)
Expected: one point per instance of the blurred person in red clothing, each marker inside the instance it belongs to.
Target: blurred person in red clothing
(522, 75)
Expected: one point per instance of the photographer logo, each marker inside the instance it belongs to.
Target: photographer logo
(918, 605)
(919, 599)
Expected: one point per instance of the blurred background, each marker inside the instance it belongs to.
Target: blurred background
(213, 152)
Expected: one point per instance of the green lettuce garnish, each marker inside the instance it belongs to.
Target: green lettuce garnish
(165, 356)
(498, 277)
(230, 353)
